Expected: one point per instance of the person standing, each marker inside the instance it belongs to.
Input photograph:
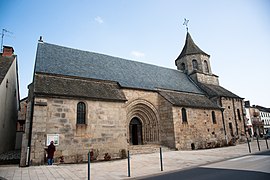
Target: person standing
(50, 151)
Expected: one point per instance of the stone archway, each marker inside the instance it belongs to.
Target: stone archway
(147, 115)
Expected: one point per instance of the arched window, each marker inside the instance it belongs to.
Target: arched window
(206, 66)
(183, 66)
(184, 115)
(214, 117)
(81, 112)
(195, 64)
(239, 115)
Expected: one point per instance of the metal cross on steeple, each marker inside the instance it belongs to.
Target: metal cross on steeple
(186, 23)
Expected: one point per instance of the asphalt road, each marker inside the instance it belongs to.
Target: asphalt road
(251, 167)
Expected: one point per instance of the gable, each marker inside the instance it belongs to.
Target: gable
(60, 60)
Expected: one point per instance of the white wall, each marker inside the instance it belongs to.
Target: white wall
(8, 109)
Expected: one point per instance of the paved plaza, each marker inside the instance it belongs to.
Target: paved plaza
(141, 165)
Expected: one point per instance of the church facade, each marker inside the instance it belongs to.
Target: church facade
(89, 101)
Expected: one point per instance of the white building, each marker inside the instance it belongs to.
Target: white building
(9, 98)
(265, 117)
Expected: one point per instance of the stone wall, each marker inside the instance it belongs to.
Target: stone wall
(167, 124)
(144, 106)
(149, 96)
(26, 134)
(205, 78)
(107, 126)
(199, 129)
(104, 131)
(231, 108)
(188, 63)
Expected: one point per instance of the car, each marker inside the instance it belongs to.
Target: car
(267, 135)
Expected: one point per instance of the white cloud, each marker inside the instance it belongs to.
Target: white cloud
(137, 54)
(99, 20)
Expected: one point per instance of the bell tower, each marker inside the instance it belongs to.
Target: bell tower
(195, 63)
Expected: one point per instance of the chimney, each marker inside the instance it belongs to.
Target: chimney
(8, 51)
(247, 104)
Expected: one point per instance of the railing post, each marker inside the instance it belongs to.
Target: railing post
(258, 144)
(27, 156)
(248, 145)
(266, 143)
(128, 164)
(161, 163)
(89, 165)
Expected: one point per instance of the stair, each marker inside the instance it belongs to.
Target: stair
(147, 149)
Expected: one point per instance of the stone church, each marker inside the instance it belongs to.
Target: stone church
(89, 101)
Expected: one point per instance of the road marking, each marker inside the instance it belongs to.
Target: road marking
(240, 158)
(256, 163)
(249, 158)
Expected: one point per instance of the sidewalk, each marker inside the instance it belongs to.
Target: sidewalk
(141, 165)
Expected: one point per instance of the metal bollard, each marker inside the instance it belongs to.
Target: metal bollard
(248, 146)
(258, 144)
(128, 164)
(27, 156)
(89, 165)
(161, 163)
(266, 143)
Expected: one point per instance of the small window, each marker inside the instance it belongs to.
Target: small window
(81, 112)
(214, 117)
(206, 66)
(238, 114)
(195, 64)
(231, 129)
(183, 66)
(184, 115)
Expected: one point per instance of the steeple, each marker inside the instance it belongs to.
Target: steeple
(195, 62)
(190, 48)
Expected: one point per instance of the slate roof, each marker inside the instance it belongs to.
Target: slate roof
(74, 87)
(216, 91)
(56, 59)
(190, 48)
(5, 63)
(188, 99)
(261, 108)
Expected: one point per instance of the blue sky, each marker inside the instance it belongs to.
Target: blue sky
(236, 33)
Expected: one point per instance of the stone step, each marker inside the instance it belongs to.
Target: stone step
(147, 149)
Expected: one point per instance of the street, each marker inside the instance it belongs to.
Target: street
(248, 167)
(231, 161)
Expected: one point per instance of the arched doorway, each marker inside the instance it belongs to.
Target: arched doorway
(145, 115)
(135, 131)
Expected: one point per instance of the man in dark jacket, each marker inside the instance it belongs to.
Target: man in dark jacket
(50, 151)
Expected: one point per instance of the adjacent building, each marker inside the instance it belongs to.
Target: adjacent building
(265, 117)
(258, 119)
(89, 101)
(20, 127)
(9, 98)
